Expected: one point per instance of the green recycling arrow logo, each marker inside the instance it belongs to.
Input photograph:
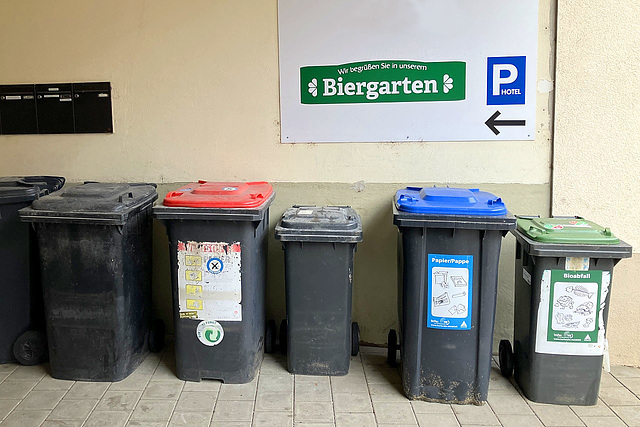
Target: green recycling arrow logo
(210, 333)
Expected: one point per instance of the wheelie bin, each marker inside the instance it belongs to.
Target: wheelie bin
(319, 245)
(564, 268)
(218, 249)
(449, 245)
(22, 335)
(95, 262)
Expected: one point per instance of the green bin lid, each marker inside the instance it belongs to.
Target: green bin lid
(566, 230)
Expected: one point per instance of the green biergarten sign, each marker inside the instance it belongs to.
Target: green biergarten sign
(383, 81)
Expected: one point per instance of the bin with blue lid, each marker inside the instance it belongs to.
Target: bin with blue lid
(448, 249)
(564, 270)
(22, 336)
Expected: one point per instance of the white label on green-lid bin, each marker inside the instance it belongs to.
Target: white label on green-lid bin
(449, 291)
(209, 281)
(570, 314)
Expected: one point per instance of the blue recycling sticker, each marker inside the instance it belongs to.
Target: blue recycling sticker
(215, 265)
(450, 291)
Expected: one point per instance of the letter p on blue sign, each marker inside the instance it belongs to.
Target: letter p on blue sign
(506, 78)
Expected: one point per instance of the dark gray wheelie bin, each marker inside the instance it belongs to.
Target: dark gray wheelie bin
(564, 271)
(22, 334)
(319, 245)
(449, 246)
(95, 261)
(218, 249)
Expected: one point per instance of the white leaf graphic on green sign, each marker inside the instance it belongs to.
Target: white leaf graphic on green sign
(447, 82)
(313, 87)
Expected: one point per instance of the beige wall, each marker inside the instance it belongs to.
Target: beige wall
(596, 150)
(195, 95)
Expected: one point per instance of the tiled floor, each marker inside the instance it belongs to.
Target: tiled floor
(369, 395)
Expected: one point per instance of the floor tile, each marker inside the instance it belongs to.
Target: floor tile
(233, 410)
(215, 423)
(632, 383)
(386, 393)
(62, 423)
(85, 390)
(7, 368)
(629, 414)
(618, 396)
(355, 420)
(25, 419)
(191, 419)
(597, 410)
(274, 365)
(119, 401)
(382, 375)
(145, 423)
(204, 385)
(394, 412)
(512, 420)
(73, 409)
(273, 419)
(436, 419)
(10, 389)
(504, 404)
(273, 383)
(349, 384)
(274, 401)
(556, 415)
(197, 401)
(40, 400)
(352, 402)
(153, 410)
(7, 406)
(238, 391)
(313, 378)
(478, 415)
(313, 391)
(135, 381)
(314, 411)
(421, 407)
(608, 380)
(107, 419)
(603, 421)
(34, 373)
(50, 384)
(162, 390)
(625, 371)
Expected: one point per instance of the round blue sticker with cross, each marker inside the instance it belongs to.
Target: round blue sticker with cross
(215, 265)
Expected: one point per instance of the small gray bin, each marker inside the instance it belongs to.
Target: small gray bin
(319, 245)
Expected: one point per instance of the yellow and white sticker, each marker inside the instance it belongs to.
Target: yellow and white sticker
(209, 280)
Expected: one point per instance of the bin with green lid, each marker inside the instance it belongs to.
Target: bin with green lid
(564, 267)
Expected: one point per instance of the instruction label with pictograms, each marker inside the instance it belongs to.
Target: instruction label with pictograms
(449, 293)
(570, 314)
(209, 281)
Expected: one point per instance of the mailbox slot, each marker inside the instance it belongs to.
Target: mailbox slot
(92, 107)
(54, 104)
(18, 110)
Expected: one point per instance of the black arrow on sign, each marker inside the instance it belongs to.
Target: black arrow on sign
(492, 123)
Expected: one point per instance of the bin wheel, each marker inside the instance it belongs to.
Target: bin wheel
(392, 347)
(31, 348)
(270, 337)
(283, 336)
(505, 355)
(355, 339)
(156, 336)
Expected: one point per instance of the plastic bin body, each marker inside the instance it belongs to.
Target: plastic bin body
(229, 215)
(319, 245)
(21, 307)
(447, 358)
(95, 261)
(544, 377)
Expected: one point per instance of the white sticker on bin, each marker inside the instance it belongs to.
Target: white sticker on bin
(209, 281)
(305, 212)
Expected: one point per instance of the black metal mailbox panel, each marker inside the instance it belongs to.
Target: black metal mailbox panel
(92, 107)
(18, 110)
(55, 108)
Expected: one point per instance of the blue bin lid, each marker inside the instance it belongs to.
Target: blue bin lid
(449, 201)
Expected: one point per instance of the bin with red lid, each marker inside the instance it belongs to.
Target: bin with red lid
(218, 250)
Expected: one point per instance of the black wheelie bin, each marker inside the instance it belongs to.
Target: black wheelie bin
(95, 262)
(22, 334)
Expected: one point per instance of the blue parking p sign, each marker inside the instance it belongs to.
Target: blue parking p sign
(506, 78)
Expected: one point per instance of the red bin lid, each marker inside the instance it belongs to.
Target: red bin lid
(204, 194)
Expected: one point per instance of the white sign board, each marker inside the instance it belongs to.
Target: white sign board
(407, 70)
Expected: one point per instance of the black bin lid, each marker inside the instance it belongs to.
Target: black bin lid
(339, 224)
(92, 202)
(16, 189)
